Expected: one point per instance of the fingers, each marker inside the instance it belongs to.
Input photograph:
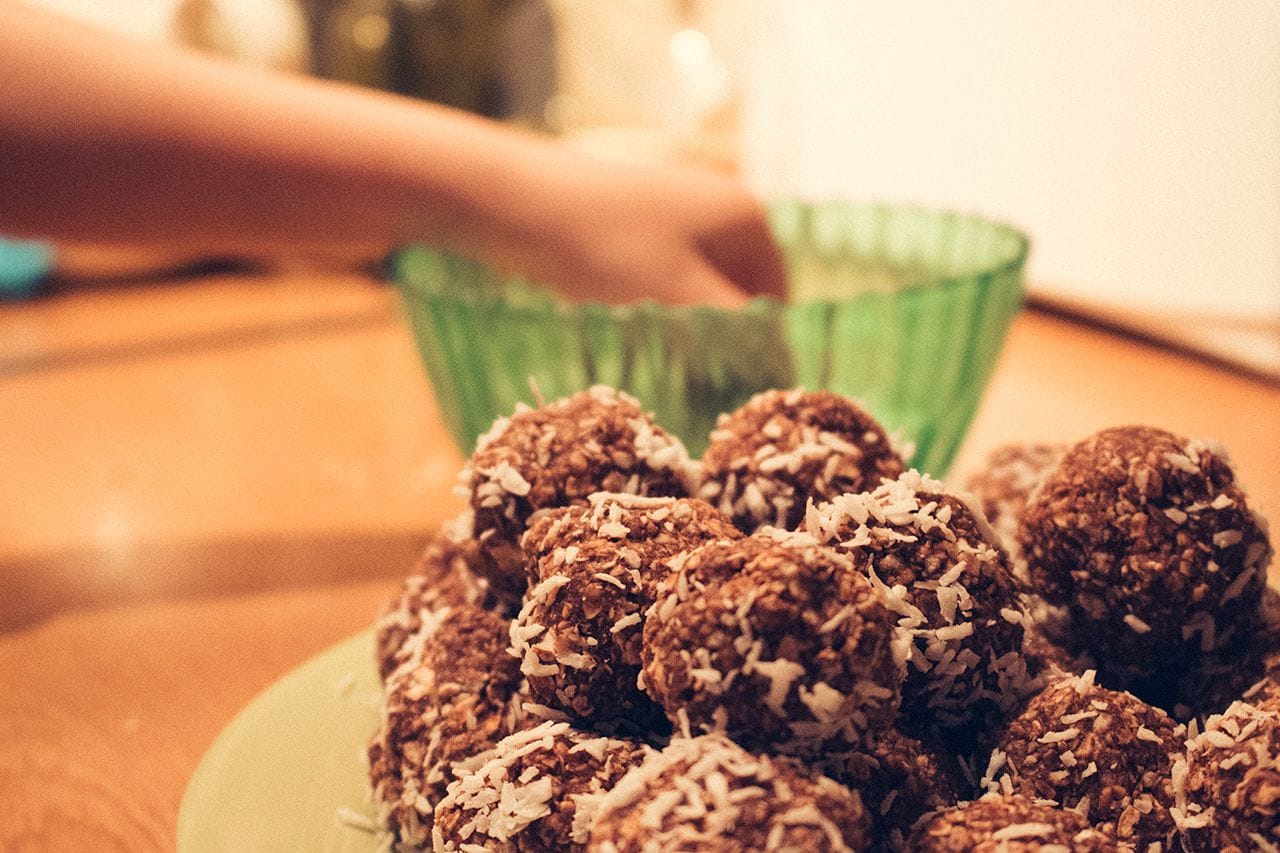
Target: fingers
(745, 252)
(712, 217)
(703, 284)
(662, 262)
(676, 236)
(626, 276)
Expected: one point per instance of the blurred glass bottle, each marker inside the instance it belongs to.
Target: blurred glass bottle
(491, 57)
(356, 43)
(446, 53)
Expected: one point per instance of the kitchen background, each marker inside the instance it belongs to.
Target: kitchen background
(1138, 143)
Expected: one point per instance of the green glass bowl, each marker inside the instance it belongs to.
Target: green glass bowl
(902, 308)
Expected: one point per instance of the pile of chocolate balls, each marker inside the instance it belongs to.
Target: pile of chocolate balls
(796, 642)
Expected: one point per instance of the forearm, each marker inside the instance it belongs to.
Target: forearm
(103, 140)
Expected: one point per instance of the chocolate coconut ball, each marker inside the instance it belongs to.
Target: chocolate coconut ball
(1208, 684)
(709, 794)
(1248, 669)
(523, 793)
(578, 635)
(1009, 823)
(1004, 482)
(1228, 786)
(940, 569)
(556, 455)
(456, 696)
(900, 778)
(641, 532)
(1104, 753)
(775, 639)
(1258, 660)
(1150, 542)
(443, 576)
(1053, 659)
(1185, 686)
(1265, 692)
(785, 448)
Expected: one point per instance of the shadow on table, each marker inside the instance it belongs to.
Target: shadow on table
(32, 590)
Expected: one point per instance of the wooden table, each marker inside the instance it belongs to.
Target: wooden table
(208, 481)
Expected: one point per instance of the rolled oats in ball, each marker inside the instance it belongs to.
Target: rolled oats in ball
(707, 793)
(782, 449)
(1259, 661)
(940, 569)
(456, 696)
(1249, 670)
(1207, 684)
(523, 793)
(598, 440)
(1102, 752)
(775, 639)
(900, 778)
(1003, 484)
(595, 568)
(643, 531)
(1010, 823)
(443, 576)
(1227, 788)
(1051, 658)
(1150, 542)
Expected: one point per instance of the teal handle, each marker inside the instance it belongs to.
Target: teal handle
(23, 266)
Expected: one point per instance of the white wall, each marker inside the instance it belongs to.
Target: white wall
(1138, 142)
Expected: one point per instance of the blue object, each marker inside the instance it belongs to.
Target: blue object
(23, 265)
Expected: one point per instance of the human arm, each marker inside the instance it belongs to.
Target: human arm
(112, 141)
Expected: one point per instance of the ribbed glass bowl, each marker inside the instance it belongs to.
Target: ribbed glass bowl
(902, 308)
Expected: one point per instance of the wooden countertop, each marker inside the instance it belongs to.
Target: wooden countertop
(207, 481)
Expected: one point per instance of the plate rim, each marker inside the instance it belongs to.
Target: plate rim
(192, 805)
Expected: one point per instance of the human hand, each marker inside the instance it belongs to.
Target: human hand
(617, 233)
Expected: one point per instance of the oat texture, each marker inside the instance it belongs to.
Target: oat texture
(784, 448)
